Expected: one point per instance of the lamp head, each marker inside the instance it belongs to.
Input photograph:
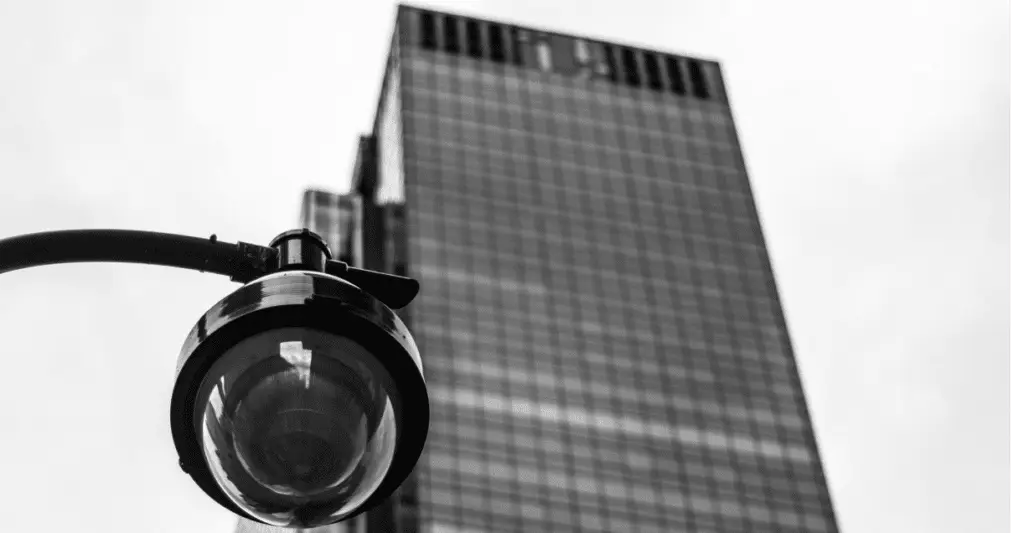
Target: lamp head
(299, 400)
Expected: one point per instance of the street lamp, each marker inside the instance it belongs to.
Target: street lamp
(299, 399)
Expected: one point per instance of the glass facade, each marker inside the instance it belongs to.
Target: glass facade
(334, 217)
(603, 341)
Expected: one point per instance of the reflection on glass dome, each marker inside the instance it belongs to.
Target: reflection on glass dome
(299, 426)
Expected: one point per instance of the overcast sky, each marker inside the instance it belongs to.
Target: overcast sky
(875, 132)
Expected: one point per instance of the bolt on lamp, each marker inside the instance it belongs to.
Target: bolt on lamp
(299, 399)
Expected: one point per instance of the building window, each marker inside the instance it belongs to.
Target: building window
(474, 41)
(517, 47)
(675, 76)
(700, 82)
(451, 35)
(581, 50)
(497, 42)
(613, 64)
(629, 67)
(543, 55)
(428, 33)
(598, 63)
(653, 72)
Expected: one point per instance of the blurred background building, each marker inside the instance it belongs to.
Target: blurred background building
(334, 217)
(603, 340)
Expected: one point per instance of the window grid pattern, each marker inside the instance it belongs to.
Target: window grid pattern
(589, 248)
(563, 54)
(332, 217)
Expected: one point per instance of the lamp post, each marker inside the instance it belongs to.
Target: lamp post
(299, 399)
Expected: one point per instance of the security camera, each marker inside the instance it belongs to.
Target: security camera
(299, 400)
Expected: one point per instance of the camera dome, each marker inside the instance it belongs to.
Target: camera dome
(299, 401)
(298, 426)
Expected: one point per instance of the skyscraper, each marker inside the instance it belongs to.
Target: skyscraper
(602, 336)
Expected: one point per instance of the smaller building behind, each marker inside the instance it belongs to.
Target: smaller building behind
(334, 217)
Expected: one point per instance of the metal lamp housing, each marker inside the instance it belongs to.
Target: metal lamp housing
(299, 400)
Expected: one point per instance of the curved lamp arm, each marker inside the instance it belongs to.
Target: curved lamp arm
(242, 262)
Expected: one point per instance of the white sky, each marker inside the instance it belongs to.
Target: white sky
(875, 131)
